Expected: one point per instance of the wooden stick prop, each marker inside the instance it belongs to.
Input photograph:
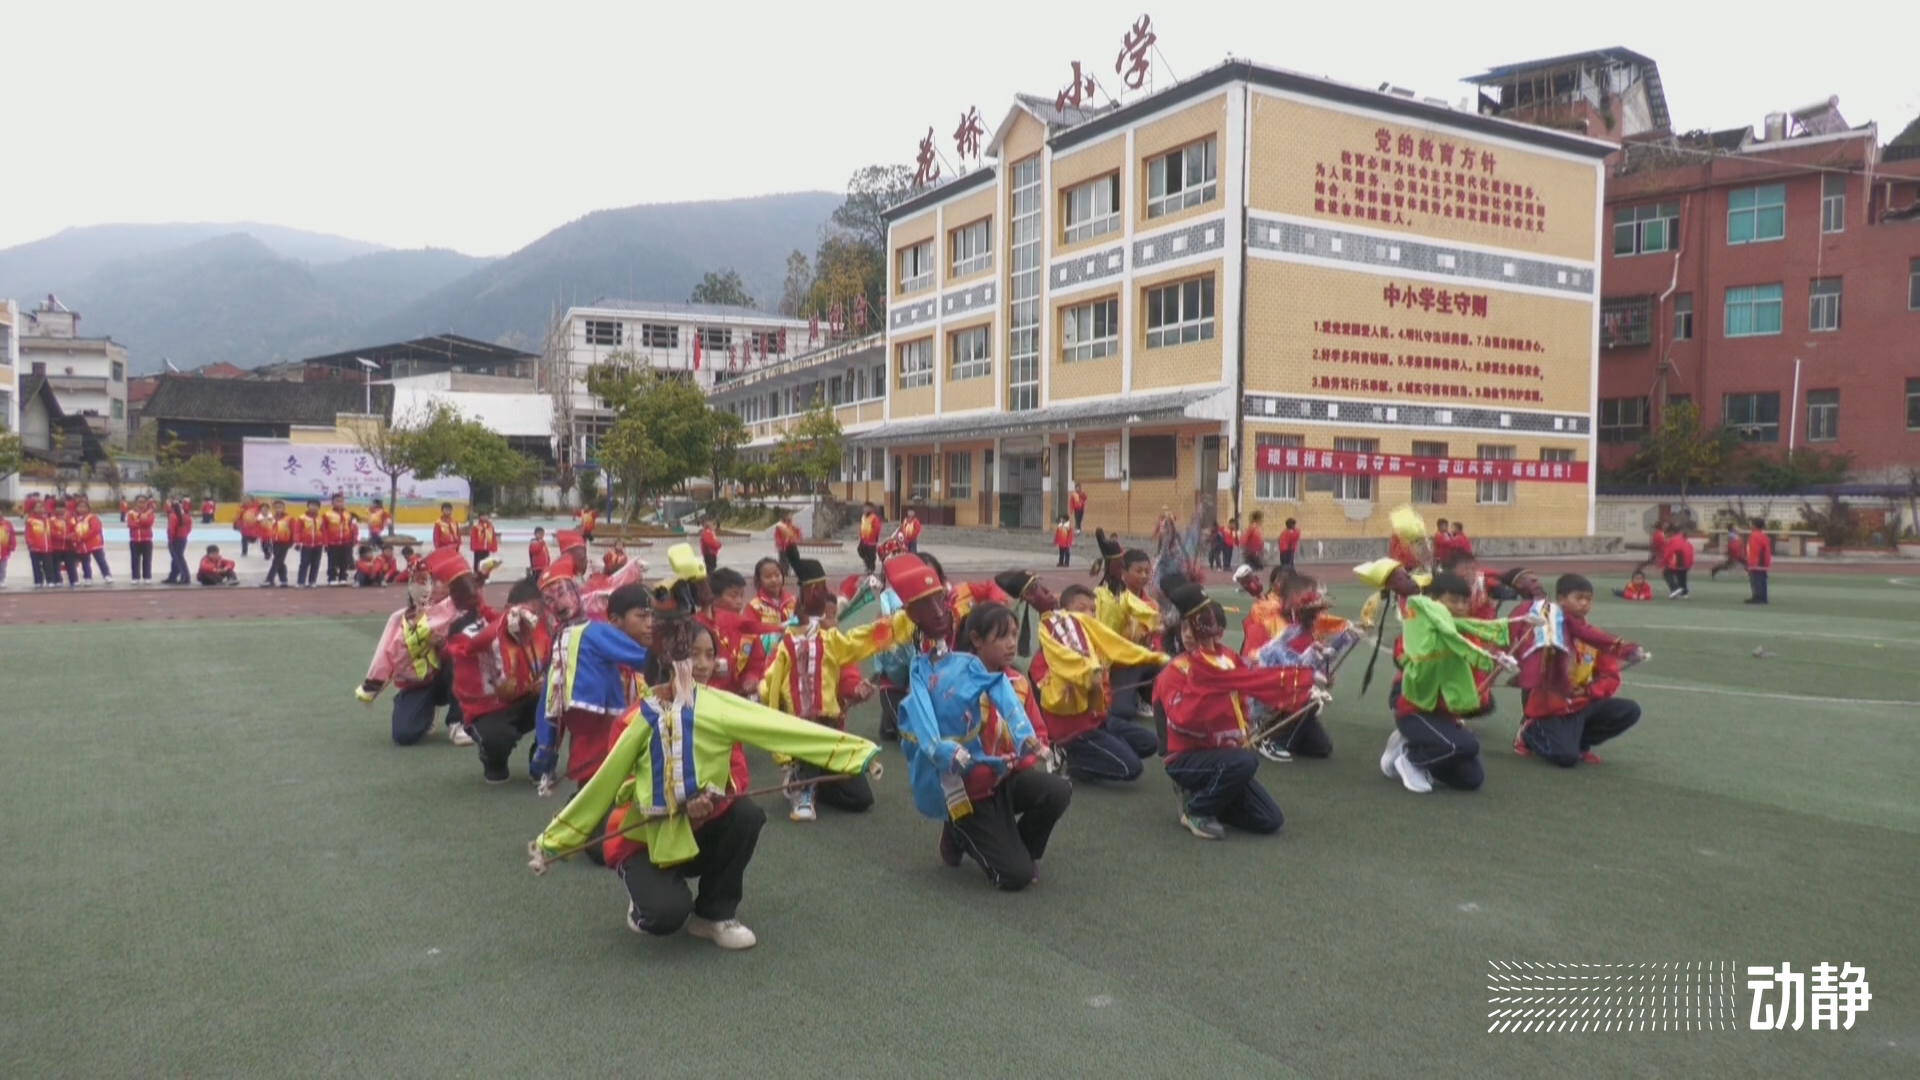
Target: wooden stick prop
(539, 862)
(1275, 728)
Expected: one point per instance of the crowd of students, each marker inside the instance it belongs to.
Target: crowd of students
(643, 696)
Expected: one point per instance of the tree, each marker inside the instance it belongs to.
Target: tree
(387, 447)
(871, 192)
(630, 456)
(670, 414)
(488, 463)
(1680, 451)
(10, 454)
(205, 474)
(844, 270)
(729, 435)
(793, 295)
(810, 447)
(723, 287)
(1909, 135)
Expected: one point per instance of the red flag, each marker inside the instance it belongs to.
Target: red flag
(696, 350)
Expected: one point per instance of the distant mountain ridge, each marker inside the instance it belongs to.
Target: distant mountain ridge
(251, 294)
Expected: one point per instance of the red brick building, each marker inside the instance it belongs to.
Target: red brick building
(1772, 277)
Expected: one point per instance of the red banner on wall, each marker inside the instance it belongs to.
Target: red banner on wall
(1344, 463)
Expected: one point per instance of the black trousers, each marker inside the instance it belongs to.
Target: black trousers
(1007, 832)
(1560, 739)
(854, 795)
(37, 562)
(1113, 751)
(413, 709)
(726, 847)
(1306, 737)
(177, 555)
(206, 578)
(245, 540)
(1130, 686)
(1065, 554)
(1077, 516)
(89, 559)
(339, 562)
(1221, 784)
(140, 559)
(309, 566)
(867, 555)
(1446, 749)
(495, 734)
(890, 700)
(713, 562)
(480, 557)
(1254, 558)
(277, 573)
(1757, 580)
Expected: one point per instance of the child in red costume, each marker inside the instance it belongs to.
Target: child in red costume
(1571, 704)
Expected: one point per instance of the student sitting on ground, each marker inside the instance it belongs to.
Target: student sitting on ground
(367, 568)
(215, 570)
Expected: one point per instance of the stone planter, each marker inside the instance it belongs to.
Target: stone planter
(1814, 547)
(1909, 550)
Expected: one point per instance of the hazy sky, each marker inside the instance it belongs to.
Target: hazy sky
(480, 126)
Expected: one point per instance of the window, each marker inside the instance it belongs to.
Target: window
(1823, 308)
(970, 354)
(1090, 331)
(1092, 209)
(1823, 415)
(1561, 454)
(837, 390)
(1626, 321)
(1643, 230)
(1023, 286)
(920, 477)
(1622, 420)
(1833, 203)
(716, 338)
(877, 382)
(1354, 488)
(1276, 486)
(1180, 313)
(769, 342)
(1755, 416)
(1494, 492)
(1181, 179)
(916, 364)
(1756, 214)
(1913, 285)
(1683, 317)
(877, 464)
(1913, 404)
(1753, 310)
(916, 267)
(960, 475)
(602, 332)
(1153, 457)
(972, 247)
(119, 409)
(1430, 490)
(119, 371)
(658, 336)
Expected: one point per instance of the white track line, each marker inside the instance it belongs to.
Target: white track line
(1769, 631)
(1874, 702)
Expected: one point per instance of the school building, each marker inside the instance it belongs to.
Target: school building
(1255, 289)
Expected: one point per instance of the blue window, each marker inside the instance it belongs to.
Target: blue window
(1753, 310)
(1756, 214)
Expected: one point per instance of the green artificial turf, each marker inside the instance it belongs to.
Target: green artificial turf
(218, 865)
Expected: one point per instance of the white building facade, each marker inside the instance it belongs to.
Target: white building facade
(9, 385)
(88, 375)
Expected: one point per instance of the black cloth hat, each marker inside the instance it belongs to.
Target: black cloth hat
(809, 571)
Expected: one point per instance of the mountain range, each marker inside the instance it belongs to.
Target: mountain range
(251, 294)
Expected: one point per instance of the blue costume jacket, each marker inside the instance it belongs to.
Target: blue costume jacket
(941, 714)
(584, 674)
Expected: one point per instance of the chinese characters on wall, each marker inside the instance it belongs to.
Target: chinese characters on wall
(1413, 180)
(1432, 367)
(1344, 463)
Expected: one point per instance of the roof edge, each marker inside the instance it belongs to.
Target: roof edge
(959, 185)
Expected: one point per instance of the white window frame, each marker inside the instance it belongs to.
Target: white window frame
(1429, 490)
(969, 354)
(960, 474)
(1823, 306)
(919, 477)
(659, 336)
(1748, 296)
(1833, 203)
(604, 333)
(1183, 178)
(1561, 454)
(1494, 492)
(1091, 209)
(971, 246)
(916, 266)
(1683, 317)
(1761, 429)
(1354, 487)
(1823, 416)
(715, 338)
(1277, 486)
(1755, 209)
(1186, 326)
(1083, 335)
(1636, 223)
(915, 364)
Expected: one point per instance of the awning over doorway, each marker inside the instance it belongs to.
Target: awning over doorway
(1097, 414)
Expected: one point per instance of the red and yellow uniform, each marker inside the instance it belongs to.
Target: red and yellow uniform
(1070, 671)
(483, 538)
(446, 534)
(870, 530)
(86, 535)
(213, 568)
(776, 610)
(279, 529)
(39, 532)
(786, 536)
(740, 654)
(996, 739)
(7, 540)
(1204, 694)
(1637, 591)
(334, 527)
(803, 675)
(1077, 501)
(377, 522)
(588, 517)
(308, 532)
(59, 531)
(140, 525)
(709, 542)
(537, 557)
(910, 529)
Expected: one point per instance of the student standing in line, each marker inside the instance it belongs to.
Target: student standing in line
(276, 532)
(90, 542)
(335, 537)
(1288, 545)
(1063, 541)
(538, 558)
(710, 546)
(179, 528)
(1759, 561)
(1077, 505)
(39, 544)
(483, 539)
(6, 547)
(910, 531)
(206, 511)
(379, 523)
(1253, 545)
(308, 534)
(446, 533)
(140, 540)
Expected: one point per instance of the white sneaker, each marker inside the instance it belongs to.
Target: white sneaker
(457, 735)
(1396, 745)
(1673, 594)
(1273, 751)
(727, 933)
(802, 807)
(1413, 777)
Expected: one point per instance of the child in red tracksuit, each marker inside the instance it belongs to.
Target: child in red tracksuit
(1679, 560)
(1063, 541)
(499, 659)
(1570, 701)
(538, 559)
(1637, 588)
(368, 568)
(215, 570)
